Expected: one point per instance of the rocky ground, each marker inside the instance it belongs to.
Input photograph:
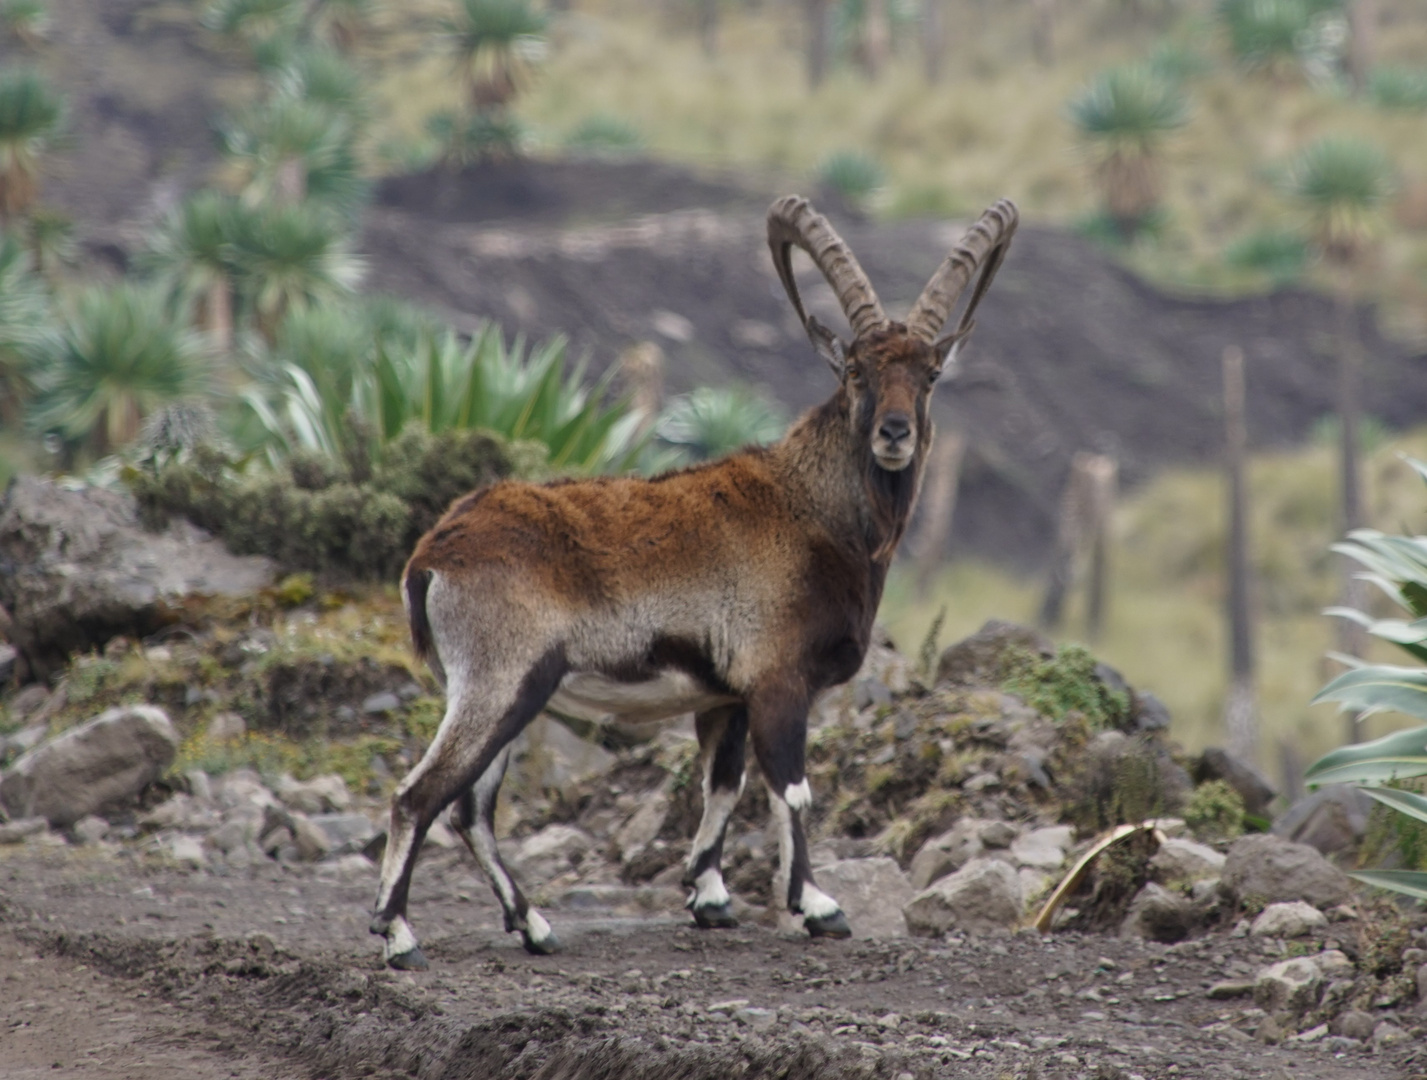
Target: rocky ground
(160, 918)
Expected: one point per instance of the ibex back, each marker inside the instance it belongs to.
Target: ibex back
(737, 590)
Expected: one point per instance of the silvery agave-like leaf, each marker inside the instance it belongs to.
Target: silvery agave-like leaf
(1409, 882)
(1397, 756)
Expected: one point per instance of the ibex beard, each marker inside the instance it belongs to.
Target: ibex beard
(737, 590)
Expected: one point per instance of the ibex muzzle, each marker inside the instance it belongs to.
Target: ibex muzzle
(738, 590)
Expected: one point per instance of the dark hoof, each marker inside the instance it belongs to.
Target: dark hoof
(833, 926)
(715, 917)
(411, 960)
(547, 947)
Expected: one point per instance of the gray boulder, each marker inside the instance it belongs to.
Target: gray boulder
(81, 569)
(1179, 859)
(102, 763)
(944, 854)
(872, 894)
(1269, 869)
(1288, 919)
(979, 659)
(548, 756)
(1331, 819)
(983, 895)
(1159, 914)
(1218, 764)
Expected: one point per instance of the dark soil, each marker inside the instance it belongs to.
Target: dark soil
(118, 967)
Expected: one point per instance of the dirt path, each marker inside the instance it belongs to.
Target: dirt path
(115, 968)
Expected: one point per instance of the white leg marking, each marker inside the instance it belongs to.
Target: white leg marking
(399, 939)
(783, 818)
(709, 890)
(536, 927)
(799, 796)
(718, 808)
(392, 862)
(818, 904)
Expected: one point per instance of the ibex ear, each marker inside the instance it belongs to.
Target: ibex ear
(948, 349)
(828, 345)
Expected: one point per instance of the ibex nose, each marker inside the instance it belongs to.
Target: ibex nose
(895, 427)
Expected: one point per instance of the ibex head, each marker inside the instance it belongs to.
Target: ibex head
(889, 369)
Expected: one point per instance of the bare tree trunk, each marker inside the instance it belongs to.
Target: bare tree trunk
(1240, 711)
(1351, 637)
(1291, 765)
(876, 38)
(641, 367)
(1085, 508)
(216, 314)
(708, 26)
(290, 182)
(1104, 481)
(942, 478)
(1043, 31)
(933, 37)
(1362, 41)
(816, 12)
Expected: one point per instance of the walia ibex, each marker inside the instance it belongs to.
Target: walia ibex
(736, 590)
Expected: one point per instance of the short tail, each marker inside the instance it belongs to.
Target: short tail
(417, 582)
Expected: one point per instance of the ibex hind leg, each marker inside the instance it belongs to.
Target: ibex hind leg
(722, 735)
(480, 720)
(474, 820)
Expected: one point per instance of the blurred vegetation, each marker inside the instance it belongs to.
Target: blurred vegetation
(1165, 628)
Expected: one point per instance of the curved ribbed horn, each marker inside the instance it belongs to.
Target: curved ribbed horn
(792, 220)
(985, 242)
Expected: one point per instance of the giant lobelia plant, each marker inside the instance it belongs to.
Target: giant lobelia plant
(1397, 565)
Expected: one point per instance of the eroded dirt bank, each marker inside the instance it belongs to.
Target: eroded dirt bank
(118, 969)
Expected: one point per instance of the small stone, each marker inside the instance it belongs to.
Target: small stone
(227, 727)
(1158, 914)
(1339, 1044)
(1334, 964)
(728, 1008)
(756, 1018)
(891, 1021)
(90, 829)
(1230, 988)
(998, 834)
(1288, 919)
(1354, 1024)
(383, 702)
(983, 894)
(311, 841)
(1387, 1033)
(1185, 860)
(1043, 849)
(14, 832)
(1292, 984)
(275, 839)
(1313, 1034)
(1270, 1031)
(187, 849)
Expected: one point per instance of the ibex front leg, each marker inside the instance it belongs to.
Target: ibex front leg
(722, 734)
(779, 722)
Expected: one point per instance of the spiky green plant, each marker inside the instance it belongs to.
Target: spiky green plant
(50, 237)
(281, 142)
(119, 355)
(495, 45)
(253, 22)
(1280, 36)
(323, 77)
(854, 176)
(1342, 183)
(1399, 88)
(342, 23)
(466, 138)
(289, 257)
(31, 117)
(1281, 255)
(713, 421)
(1126, 114)
(1397, 566)
(26, 21)
(606, 135)
(192, 253)
(24, 320)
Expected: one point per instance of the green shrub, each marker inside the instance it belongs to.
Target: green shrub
(1399, 88)
(1280, 255)
(604, 134)
(851, 175)
(321, 518)
(1215, 811)
(1066, 682)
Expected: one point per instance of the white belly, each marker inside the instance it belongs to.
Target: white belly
(594, 697)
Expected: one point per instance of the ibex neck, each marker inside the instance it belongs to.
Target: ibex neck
(829, 468)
